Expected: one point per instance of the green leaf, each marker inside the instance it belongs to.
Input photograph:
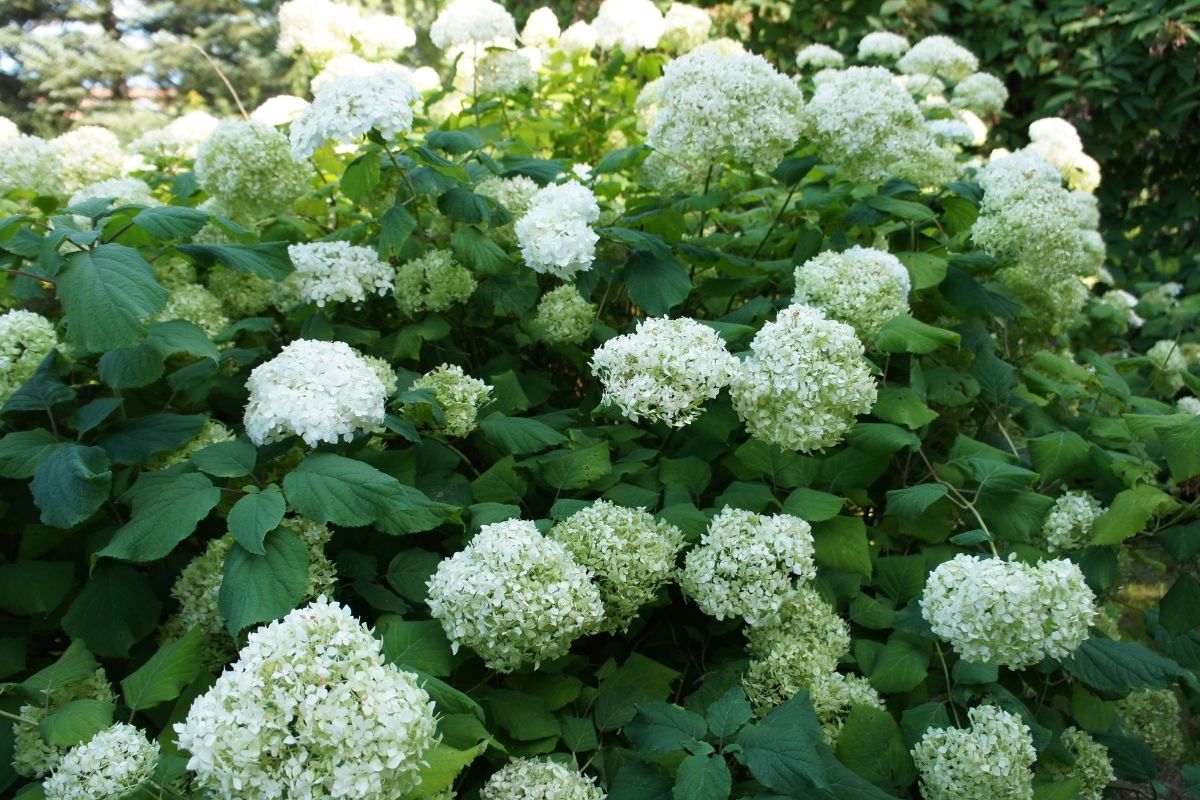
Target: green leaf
(813, 505)
(1113, 669)
(21, 452)
(108, 293)
(1059, 456)
(71, 484)
(575, 469)
(904, 209)
(131, 367)
(453, 142)
(639, 680)
(395, 226)
(268, 260)
(262, 588)
(171, 222)
(167, 507)
(616, 160)
(255, 515)
(1179, 610)
(116, 608)
(34, 587)
(703, 777)
(181, 336)
(870, 744)
(410, 570)
(925, 269)
(75, 664)
(656, 285)
(524, 716)
(440, 768)
(226, 459)
(912, 502)
(137, 439)
(841, 544)
(1130, 512)
(1132, 759)
(475, 250)
(780, 750)
(901, 665)
(42, 392)
(907, 335)
(165, 674)
(463, 205)
(1181, 445)
(664, 728)
(638, 781)
(361, 176)
(76, 722)
(903, 406)
(94, 413)
(728, 714)
(416, 643)
(519, 435)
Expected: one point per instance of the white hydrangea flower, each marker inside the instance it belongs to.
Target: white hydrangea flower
(818, 56)
(1006, 612)
(343, 66)
(748, 564)
(1057, 141)
(862, 287)
(1090, 764)
(337, 272)
(311, 709)
(123, 191)
(882, 46)
(279, 110)
(247, 166)
(109, 766)
(579, 37)
(714, 107)
(33, 756)
(563, 316)
(241, 294)
(1068, 524)
(29, 163)
(664, 371)
(951, 132)
(320, 29)
(805, 381)
(993, 758)
(928, 87)
(834, 695)
(1165, 294)
(381, 36)
(977, 127)
(685, 27)
(178, 139)
(8, 129)
(630, 555)
(941, 56)
(1188, 405)
(351, 106)
(88, 155)
(502, 73)
(515, 194)
(477, 23)
(982, 93)
(196, 304)
(433, 282)
(319, 391)
(460, 397)
(541, 29)
(539, 779)
(514, 597)
(1169, 363)
(26, 338)
(555, 234)
(1153, 715)
(630, 25)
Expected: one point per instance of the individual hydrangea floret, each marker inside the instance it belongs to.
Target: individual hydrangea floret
(330, 717)
(88, 155)
(664, 371)
(279, 110)
(433, 282)
(476, 23)
(982, 93)
(514, 597)
(247, 166)
(882, 46)
(862, 286)
(539, 779)
(818, 56)
(563, 316)
(26, 338)
(628, 25)
(630, 555)
(1152, 715)
(33, 756)
(30, 164)
(993, 758)
(747, 564)
(555, 234)
(1068, 525)
(940, 56)
(178, 139)
(579, 37)
(1090, 764)
(348, 108)
(1008, 613)
(319, 391)
(109, 766)
(804, 382)
(458, 395)
(333, 272)
(685, 27)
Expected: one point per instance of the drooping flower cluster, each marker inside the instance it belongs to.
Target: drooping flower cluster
(458, 395)
(333, 272)
(476, 23)
(747, 564)
(685, 27)
(109, 766)
(539, 779)
(993, 758)
(330, 717)
(349, 107)
(1090, 764)
(29, 163)
(1006, 612)
(319, 391)
(514, 597)
(88, 155)
(555, 234)
(628, 25)
(515, 194)
(1057, 141)
(982, 93)
(26, 338)
(563, 316)
(818, 56)
(882, 46)
(862, 287)
(33, 756)
(804, 382)
(664, 371)
(1068, 525)
(433, 282)
(1152, 715)
(629, 554)
(940, 56)
(178, 139)
(247, 166)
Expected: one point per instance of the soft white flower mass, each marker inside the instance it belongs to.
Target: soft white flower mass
(29, 163)
(514, 597)
(861, 286)
(748, 564)
(992, 759)
(8, 129)
(25, 339)
(1006, 612)
(88, 155)
(279, 110)
(459, 395)
(247, 166)
(381, 36)
(478, 24)
(319, 391)
(310, 709)
(1057, 141)
(348, 108)
(982, 93)
(539, 779)
(541, 29)
(685, 27)
(320, 29)
(664, 371)
(579, 37)
(1188, 405)
(434, 281)
(940, 56)
(804, 382)
(178, 139)
(123, 191)
(563, 316)
(882, 46)
(332, 272)
(1090, 764)
(555, 234)
(818, 56)
(1068, 525)
(628, 25)
(109, 766)
(502, 73)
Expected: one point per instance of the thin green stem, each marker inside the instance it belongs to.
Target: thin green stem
(774, 222)
(949, 686)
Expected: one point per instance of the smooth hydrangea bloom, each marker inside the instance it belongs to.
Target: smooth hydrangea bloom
(340, 67)
(630, 555)
(834, 695)
(818, 56)
(433, 282)
(33, 756)
(123, 191)
(685, 27)
(514, 597)
(1068, 525)
(211, 432)
(476, 23)
(982, 93)
(539, 779)
(88, 155)
(1090, 764)
(26, 339)
(1188, 405)
(556, 235)
(579, 37)
(348, 108)
(867, 125)
(940, 56)
(279, 110)
(804, 382)
(109, 766)
(318, 28)
(247, 166)
(882, 46)
(1165, 294)
(664, 371)
(993, 758)
(715, 107)
(8, 129)
(563, 316)
(1125, 305)
(178, 139)
(319, 391)
(196, 304)
(1006, 612)
(29, 163)
(381, 36)
(459, 395)
(628, 25)
(747, 564)
(502, 73)
(541, 29)
(1152, 715)
(333, 272)
(950, 132)
(242, 294)
(1057, 141)
(310, 709)
(1169, 363)
(515, 194)
(862, 287)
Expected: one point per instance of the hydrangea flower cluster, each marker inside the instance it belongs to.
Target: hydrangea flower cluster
(1169, 364)
(579, 37)
(862, 287)
(459, 395)
(1006, 612)
(715, 106)
(747, 564)
(323, 30)
(1068, 525)
(8, 128)
(478, 23)
(29, 163)
(502, 73)
(349, 107)
(196, 304)
(685, 27)
(1090, 764)
(1057, 141)
(630, 555)
(341, 67)
(123, 191)
(555, 234)
(1152, 715)
(337, 272)
(628, 25)
(515, 194)
(804, 382)
(993, 758)
(882, 46)
(242, 294)
(26, 338)
(514, 597)
(940, 56)
(1125, 304)
(664, 371)
(541, 29)
(834, 695)
(279, 110)
(539, 779)
(88, 155)
(563, 316)
(247, 166)
(818, 56)
(178, 139)
(982, 93)
(330, 717)
(33, 756)
(1188, 405)
(109, 766)
(319, 391)
(433, 282)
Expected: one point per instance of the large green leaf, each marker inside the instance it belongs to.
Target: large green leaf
(639, 680)
(1181, 445)
(1059, 456)
(655, 284)
(166, 673)
(137, 439)
(1113, 669)
(167, 507)
(665, 728)
(255, 515)
(870, 744)
(117, 608)
(1129, 514)
(22, 451)
(416, 643)
(780, 750)
(108, 294)
(261, 588)
(703, 777)
(34, 587)
(71, 484)
(907, 335)
(519, 435)
(171, 222)
(76, 722)
(268, 260)
(841, 544)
